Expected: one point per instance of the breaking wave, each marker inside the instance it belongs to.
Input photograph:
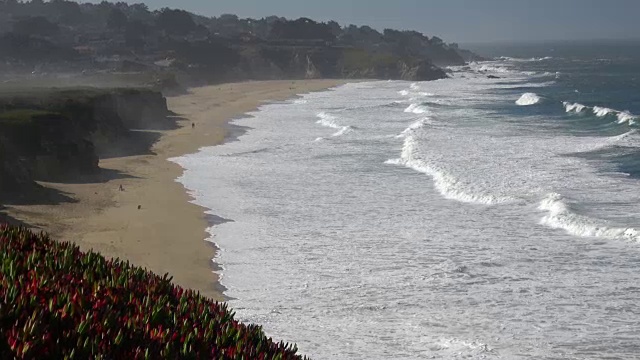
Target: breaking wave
(560, 216)
(528, 99)
(328, 120)
(416, 109)
(507, 58)
(600, 111)
(573, 107)
(489, 68)
(413, 93)
(446, 184)
(418, 124)
(626, 117)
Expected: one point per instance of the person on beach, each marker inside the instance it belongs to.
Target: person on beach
(193, 125)
(121, 188)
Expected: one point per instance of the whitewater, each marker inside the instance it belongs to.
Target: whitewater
(464, 218)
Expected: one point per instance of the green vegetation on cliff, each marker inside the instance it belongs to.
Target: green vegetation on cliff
(57, 302)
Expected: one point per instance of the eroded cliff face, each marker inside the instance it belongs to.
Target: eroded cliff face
(43, 146)
(259, 62)
(342, 63)
(54, 135)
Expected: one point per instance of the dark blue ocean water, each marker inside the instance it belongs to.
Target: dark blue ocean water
(593, 74)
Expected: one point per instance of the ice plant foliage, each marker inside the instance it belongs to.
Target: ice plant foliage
(57, 302)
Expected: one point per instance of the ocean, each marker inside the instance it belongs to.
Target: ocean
(491, 215)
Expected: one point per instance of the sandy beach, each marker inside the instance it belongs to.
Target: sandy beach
(166, 234)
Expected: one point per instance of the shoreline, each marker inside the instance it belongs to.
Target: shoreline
(168, 234)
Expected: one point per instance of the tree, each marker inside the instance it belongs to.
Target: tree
(436, 41)
(9, 6)
(117, 19)
(336, 30)
(228, 18)
(37, 25)
(134, 34)
(139, 12)
(68, 11)
(175, 22)
(302, 29)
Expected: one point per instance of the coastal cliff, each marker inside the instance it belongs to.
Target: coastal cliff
(51, 135)
(262, 62)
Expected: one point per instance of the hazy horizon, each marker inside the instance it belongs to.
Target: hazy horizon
(463, 21)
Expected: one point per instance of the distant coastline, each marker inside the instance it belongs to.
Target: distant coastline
(172, 49)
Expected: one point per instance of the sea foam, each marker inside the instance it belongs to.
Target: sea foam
(446, 184)
(600, 111)
(328, 120)
(573, 107)
(560, 216)
(626, 117)
(414, 126)
(416, 109)
(528, 99)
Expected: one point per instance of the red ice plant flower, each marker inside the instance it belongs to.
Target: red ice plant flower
(57, 302)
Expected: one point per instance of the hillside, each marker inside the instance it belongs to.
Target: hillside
(82, 40)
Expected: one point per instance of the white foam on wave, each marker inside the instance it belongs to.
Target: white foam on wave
(507, 58)
(573, 107)
(446, 184)
(328, 120)
(453, 348)
(418, 94)
(300, 101)
(626, 117)
(560, 216)
(491, 68)
(600, 111)
(416, 109)
(414, 86)
(528, 99)
(414, 126)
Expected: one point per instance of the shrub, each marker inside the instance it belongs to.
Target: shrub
(57, 302)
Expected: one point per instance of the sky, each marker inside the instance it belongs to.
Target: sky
(463, 21)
